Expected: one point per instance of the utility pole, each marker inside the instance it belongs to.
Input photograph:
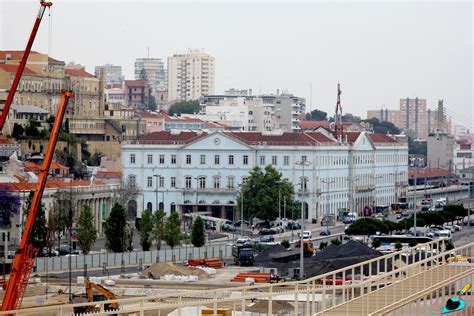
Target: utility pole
(241, 209)
(415, 165)
(327, 182)
(304, 184)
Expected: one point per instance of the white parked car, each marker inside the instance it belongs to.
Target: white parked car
(306, 234)
(245, 240)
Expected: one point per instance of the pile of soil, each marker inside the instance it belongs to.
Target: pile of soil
(264, 257)
(160, 269)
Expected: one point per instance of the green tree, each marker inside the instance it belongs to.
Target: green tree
(285, 243)
(376, 243)
(417, 147)
(322, 245)
(188, 107)
(316, 115)
(159, 227)
(87, 234)
(458, 211)
(59, 215)
(146, 229)
(40, 230)
(198, 235)
(382, 127)
(335, 242)
(398, 245)
(66, 126)
(115, 229)
(32, 128)
(348, 117)
(18, 131)
(172, 230)
(262, 192)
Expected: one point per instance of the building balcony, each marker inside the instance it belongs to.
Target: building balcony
(365, 188)
(212, 190)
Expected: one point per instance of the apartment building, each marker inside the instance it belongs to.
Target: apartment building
(87, 94)
(190, 75)
(135, 91)
(113, 73)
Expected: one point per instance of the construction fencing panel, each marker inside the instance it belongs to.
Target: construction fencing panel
(109, 260)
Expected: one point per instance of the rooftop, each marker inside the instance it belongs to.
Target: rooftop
(428, 173)
(29, 109)
(313, 124)
(14, 69)
(78, 73)
(135, 83)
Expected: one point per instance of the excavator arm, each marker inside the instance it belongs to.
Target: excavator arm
(21, 67)
(25, 256)
(102, 290)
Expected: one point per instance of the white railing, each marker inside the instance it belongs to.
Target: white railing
(314, 295)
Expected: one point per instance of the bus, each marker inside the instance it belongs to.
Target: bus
(382, 209)
(387, 243)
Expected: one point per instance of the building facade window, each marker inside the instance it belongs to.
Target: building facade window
(303, 159)
(230, 182)
(262, 160)
(132, 180)
(231, 159)
(188, 159)
(162, 159)
(188, 182)
(245, 160)
(303, 183)
(217, 159)
(150, 159)
(202, 159)
(149, 206)
(274, 160)
(132, 158)
(202, 182)
(217, 182)
(173, 159)
(286, 160)
(173, 182)
(161, 182)
(149, 182)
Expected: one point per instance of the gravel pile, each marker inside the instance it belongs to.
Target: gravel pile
(264, 256)
(160, 269)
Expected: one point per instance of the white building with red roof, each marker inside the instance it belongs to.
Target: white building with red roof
(199, 171)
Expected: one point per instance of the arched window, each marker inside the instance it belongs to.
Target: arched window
(132, 209)
(173, 207)
(149, 206)
(161, 206)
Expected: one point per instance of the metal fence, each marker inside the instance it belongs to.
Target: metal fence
(109, 260)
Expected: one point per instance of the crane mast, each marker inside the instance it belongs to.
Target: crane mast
(338, 129)
(25, 256)
(21, 67)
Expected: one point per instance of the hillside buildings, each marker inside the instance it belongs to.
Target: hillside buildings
(113, 73)
(198, 171)
(190, 75)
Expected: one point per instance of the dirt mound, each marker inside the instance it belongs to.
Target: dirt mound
(349, 249)
(163, 268)
(265, 258)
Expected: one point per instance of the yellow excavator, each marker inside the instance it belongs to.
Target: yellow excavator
(104, 295)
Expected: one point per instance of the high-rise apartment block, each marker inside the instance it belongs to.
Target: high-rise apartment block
(190, 75)
(414, 118)
(152, 70)
(113, 73)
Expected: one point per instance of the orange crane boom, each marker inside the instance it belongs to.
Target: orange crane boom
(26, 254)
(21, 67)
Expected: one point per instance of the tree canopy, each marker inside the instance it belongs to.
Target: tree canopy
(417, 147)
(87, 234)
(348, 117)
(9, 205)
(159, 227)
(383, 127)
(262, 192)
(40, 230)
(115, 229)
(316, 115)
(198, 235)
(146, 229)
(172, 230)
(188, 107)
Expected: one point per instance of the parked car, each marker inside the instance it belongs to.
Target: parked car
(425, 208)
(325, 232)
(274, 230)
(264, 231)
(244, 240)
(398, 215)
(293, 225)
(46, 253)
(306, 234)
(267, 238)
(379, 217)
(228, 227)
(66, 250)
(404, 213)
(349, 219)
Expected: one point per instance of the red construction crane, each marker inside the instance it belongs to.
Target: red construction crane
(21, 67)
(26, 254)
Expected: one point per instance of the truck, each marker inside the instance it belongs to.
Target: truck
(243, 254)
(308, 249)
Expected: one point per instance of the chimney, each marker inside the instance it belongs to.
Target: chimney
(101, 91)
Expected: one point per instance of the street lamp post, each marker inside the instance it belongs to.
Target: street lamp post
(414, 161)
(241, 209)
(157, 176)
(302, 163)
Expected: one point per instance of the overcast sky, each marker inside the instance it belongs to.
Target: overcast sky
(379, 51)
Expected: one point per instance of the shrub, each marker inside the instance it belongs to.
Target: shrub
(285, 243)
